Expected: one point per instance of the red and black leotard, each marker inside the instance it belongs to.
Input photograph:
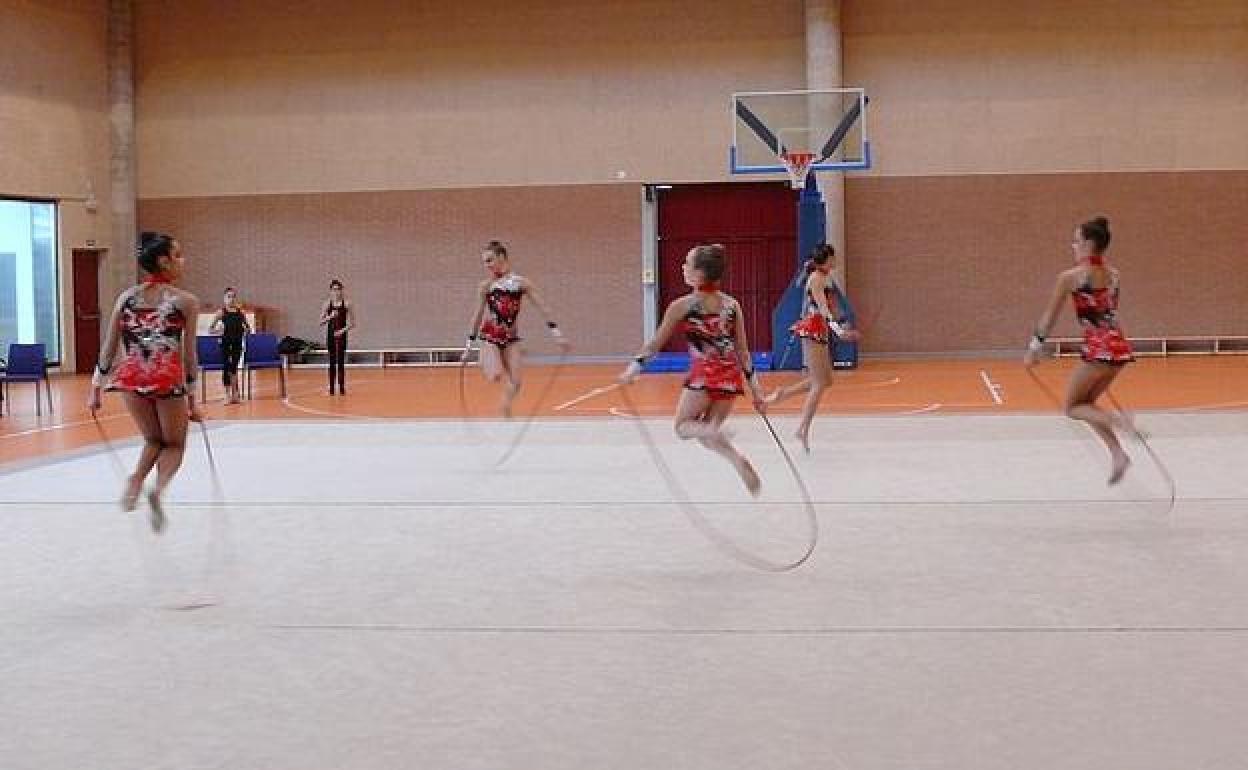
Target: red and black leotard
(714, 365)
(1097, 311)
(502, 301)
(151, 337)
(813, 326)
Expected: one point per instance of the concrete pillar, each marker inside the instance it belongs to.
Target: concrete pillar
(823, 70)
(120, 269)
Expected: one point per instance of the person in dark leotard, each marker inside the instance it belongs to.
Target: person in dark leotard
(231, 324)
(720, 366)
(818, 325)
(156, 372)
(338, 317)
(495, 318)
(1092, 286)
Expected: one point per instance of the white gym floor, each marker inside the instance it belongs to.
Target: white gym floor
(383, 598)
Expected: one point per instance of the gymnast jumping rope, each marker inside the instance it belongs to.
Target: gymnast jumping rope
(720, 364)
(815, 329)
(156, 373)
(1093, 287)
(494, 322)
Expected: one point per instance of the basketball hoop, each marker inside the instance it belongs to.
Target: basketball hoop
(798, 165)
(792, 132)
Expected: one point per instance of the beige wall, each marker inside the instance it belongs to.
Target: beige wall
(411, 261)
(502, 119)
(986, 86)
(240, 98)
(975, 105)
(246, 97)
(968, 262)
(999, 126)
(54, 140)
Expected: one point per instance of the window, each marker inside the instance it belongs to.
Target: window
(29, 308)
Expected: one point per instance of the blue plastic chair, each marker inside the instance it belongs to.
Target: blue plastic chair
(28, 363)
(261, 353)
(208, 350)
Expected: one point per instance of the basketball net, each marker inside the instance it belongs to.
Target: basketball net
(798, 165)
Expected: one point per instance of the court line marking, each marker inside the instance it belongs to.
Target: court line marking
(840, 375)
(289, 403)
(816, 631)
(912, 409)
(1212, 407)
(122, 415)
(286, 402)
(586, 396)
(732, 631)
(556, 504)
(994, 389)
(933, 407)
(880, 384)
(62, 426)
(608, 388)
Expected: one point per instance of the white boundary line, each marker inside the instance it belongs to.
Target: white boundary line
(838, 383)
(289, 403)
(879, 384)
(586, 396)
(608, 388)
(123, 415)
(994, 389)
(62, 426)
(1210, 407)
(286, 402)
(616, 411)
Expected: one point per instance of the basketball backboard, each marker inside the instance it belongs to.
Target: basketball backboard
(828, 124)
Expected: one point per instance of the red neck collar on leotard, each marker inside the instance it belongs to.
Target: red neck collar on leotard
(709, 286)
(158, 278)
(1097, 260)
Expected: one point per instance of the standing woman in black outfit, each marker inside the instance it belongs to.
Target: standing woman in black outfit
(338, 317)
(231, 324)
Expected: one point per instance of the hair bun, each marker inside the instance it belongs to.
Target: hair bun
(1102, 221)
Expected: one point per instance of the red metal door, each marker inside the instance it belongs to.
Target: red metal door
(757, 224)
(86, 308)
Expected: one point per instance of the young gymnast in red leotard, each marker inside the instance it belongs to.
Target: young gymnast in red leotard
(157, 368)
(720, 364)
(1092, 286)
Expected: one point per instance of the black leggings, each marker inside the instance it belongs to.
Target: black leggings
(337, 359)
(231, 354)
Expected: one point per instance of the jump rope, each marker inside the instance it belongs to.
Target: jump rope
(219, 545)
(1137, 434)
(702, 524)
(697, 519)
(517, 439)
(695, 516)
